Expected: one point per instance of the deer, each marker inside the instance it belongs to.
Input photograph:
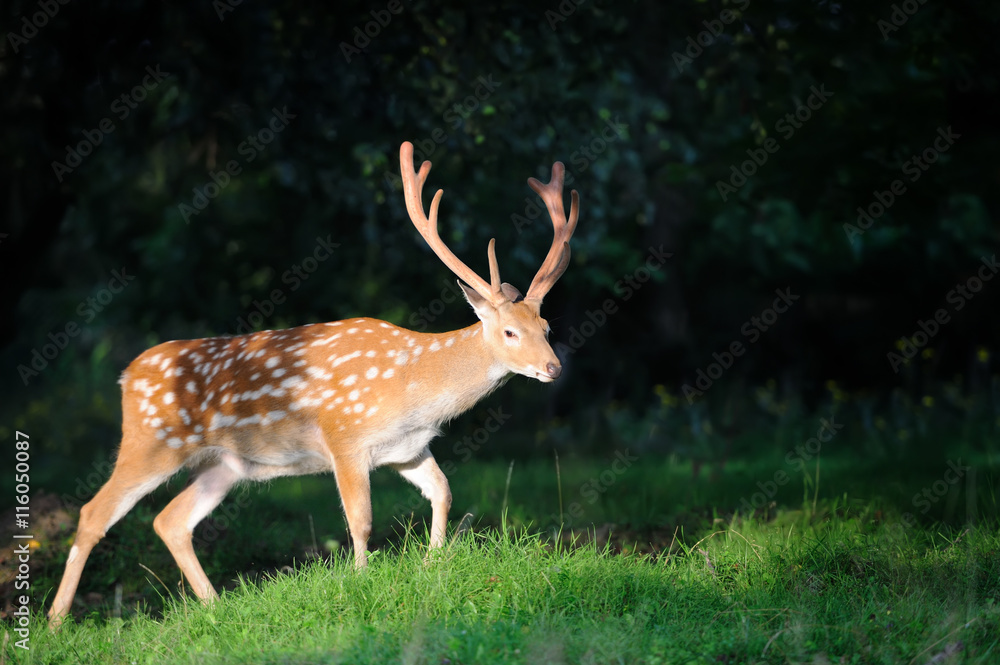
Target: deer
(347, 396)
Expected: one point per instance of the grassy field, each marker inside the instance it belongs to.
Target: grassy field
(629, 558)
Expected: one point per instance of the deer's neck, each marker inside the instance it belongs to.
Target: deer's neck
(461, 371)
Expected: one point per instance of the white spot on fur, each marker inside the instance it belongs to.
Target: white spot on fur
(435, 345)
(272, 362)
(273, 416)
(318, 373)
(293, 382)
(219, 420)
(355, 394)
(402, 357)
(344, 359)
(249, 420)
(349, 381)
(387, 374)
(175, 442)
(168, 398)
(370, 354)
(278, 373)
(371, 373)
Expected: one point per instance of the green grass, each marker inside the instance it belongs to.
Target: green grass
(660, 567)
(750, 593)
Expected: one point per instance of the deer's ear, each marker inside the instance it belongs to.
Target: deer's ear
(511, 292)
(480, 305)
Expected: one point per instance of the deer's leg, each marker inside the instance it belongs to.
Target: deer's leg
(425, 473)
(355, 491)
(131, 480)
(176, 523)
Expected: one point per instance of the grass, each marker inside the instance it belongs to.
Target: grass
(654, 565)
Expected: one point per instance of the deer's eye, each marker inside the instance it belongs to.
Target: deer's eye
(510, 333)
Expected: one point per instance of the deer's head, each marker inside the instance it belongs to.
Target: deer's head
(513, 328)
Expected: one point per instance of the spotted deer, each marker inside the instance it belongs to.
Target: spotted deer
(347, 397)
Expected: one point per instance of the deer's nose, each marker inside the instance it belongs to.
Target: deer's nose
(553, 370)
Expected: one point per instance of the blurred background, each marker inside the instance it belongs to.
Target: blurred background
(787, 209)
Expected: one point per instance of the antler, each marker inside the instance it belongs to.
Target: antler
(413, 186)
(557, 261)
